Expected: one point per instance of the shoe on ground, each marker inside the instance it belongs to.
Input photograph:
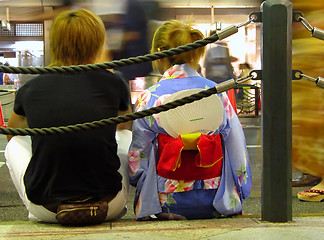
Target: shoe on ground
(306, 180)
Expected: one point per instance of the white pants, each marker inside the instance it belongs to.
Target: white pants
(18, 154)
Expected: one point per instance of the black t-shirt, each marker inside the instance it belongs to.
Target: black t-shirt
(69, 165)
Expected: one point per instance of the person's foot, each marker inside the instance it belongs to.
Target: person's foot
(306, 180)
(315, 194)
(311, 195)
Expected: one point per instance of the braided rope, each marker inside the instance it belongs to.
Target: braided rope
(109, 121)
(109, 65)
(113, 64)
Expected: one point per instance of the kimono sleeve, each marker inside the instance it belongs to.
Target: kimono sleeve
(236, 150)
(142, 142)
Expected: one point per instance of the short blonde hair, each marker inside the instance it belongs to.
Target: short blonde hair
(174, 33)
(76, 37)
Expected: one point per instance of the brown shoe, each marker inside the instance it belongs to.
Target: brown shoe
(306, 180)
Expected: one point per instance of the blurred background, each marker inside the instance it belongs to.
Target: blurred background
(130, 25)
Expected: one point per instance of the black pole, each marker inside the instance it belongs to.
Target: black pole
(276, 110)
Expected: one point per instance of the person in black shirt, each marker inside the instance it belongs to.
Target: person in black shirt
(52, 169)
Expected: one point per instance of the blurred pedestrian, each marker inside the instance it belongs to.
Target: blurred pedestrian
(308, 100)
(218, 63)
(218, 67)
(134, 41)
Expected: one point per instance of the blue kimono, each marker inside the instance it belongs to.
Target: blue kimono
(178, 199)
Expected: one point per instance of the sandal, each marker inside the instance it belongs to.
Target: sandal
(315, 196)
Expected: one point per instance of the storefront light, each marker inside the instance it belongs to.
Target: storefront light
(29, 45)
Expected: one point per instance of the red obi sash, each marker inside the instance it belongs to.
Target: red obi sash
(192, 156)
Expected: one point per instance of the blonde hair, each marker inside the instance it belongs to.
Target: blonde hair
(76, 37)
(174, 33)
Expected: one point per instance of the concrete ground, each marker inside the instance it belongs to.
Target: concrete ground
(308, 218)
(301, 228)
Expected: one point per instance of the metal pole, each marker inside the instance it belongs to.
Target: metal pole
(276, 111)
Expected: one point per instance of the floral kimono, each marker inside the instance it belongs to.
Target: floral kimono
(186, 199)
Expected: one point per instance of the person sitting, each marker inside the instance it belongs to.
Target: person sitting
(172, 196)
(76, 169)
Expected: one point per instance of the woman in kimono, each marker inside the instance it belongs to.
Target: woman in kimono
(166, 198)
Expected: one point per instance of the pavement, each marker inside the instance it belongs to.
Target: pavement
(307, 223)
(301, 228)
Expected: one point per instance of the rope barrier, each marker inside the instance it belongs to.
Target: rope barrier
(113, 64)
(132, 60)
(319, 82)
(125, 118)
(316, 32)
(118, 63)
